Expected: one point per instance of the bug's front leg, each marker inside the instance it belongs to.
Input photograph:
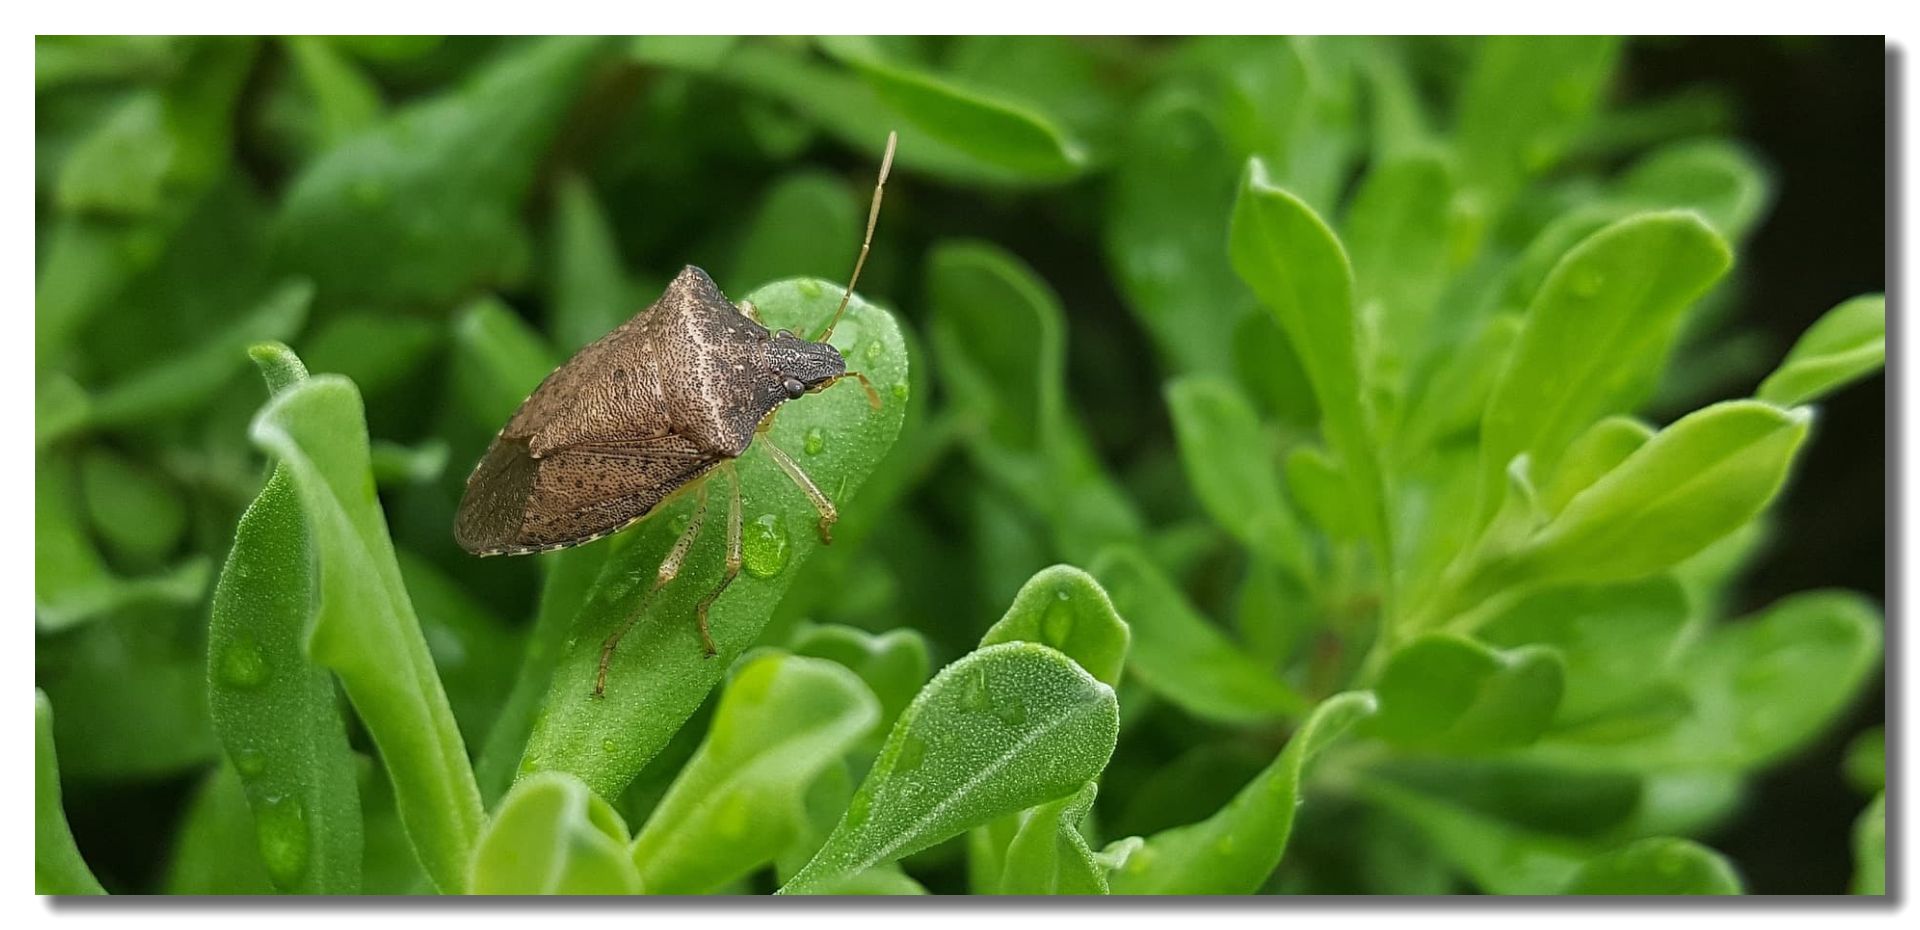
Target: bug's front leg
(828, 516)
(733, 560)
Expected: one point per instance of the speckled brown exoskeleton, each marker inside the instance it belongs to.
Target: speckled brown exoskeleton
(651, 409)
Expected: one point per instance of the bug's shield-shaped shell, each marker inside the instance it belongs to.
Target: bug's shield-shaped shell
(516, 503)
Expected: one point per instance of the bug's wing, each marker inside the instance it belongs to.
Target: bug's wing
(516, 503)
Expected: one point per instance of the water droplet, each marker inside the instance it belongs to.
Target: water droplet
(607, 745)
(242, 665)
(1056, 627)
(250, 762)
(900, 391)
(810, 288)
(1012, 711)
(873, 351)
(816, 440)
(913, 751)
(763, 547)
(282, 826)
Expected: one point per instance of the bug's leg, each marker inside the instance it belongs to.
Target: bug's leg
(828, 516)
(669, 569)
(733, 560)
(873, 396)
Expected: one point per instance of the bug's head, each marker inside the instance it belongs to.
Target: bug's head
(803, 365)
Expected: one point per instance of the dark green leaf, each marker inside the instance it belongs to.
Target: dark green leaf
(57, 866)
(1657, 866)
(1450, 694)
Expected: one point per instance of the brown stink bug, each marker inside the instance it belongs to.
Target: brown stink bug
(670, 396)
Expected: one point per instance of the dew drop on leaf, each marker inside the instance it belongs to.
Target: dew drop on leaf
(810, 288)
(1057, 625)
(900, 391)
(282, 826)
(250, 762)
(1011, 711)
(242, 665)
(816, 440)
(607, 745)
(764, 546)
(873, 351)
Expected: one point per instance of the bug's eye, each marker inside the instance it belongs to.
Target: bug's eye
(793, 387)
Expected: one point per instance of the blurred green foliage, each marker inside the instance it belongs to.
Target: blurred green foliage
(1331, 544)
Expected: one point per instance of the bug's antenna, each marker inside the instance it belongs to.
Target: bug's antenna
(873, 219)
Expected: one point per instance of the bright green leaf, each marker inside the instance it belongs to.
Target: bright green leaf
(1847, 344)
(1001, 730)
(1657, 866)
(1065, 608)
(1233, 469)
(553, 836)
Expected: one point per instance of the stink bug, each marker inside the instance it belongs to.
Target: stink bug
(669, 397)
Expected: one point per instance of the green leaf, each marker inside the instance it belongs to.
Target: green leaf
(348, 102)
(1725, 183)
(693, 53)
(498, 360)
(377, 351)
(1847, 344)
(1865, 764)
(274, 709)
(552, 835)
(999, 133)
(999, 334)
(1296, 265)
(1870, 849)
(1179, 655)
(781, 721)
(216, 850)
(1173, 186)
(1619, 644)
(1657, 866)
(57, 865)
(1003, 729)
(894, 664)
(807, 225)
(424, 207)
(185, 383)
(1233, 468)
(1450, 694)
(364, 628)
(1601, 324)
(1499, 857)
(1590, 457)
(570, 576)
(1317, 484)
(590, 293)
(1692, 483)
(659, 675)
(1524, 100)
(1233, 851)
(137, 513)
(1066, 608)
(1048, 854)
(1398, 229)
(1759, 688)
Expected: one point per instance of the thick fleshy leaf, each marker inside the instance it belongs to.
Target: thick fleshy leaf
(1870, 849)
(1048, 853)
(1295, 263)
(1656, 866)
(1445, 693)
(1066, 608)
(894, 664)
(1602, 323)
(216, 849)
(551, 835)
(1691, 484)
(1233, 469)
(1235, 850)
(782, 719)
(1179, 655)
(1847, 344)
(1592, 454)
(57, 865)
(1003, 729)
(364, 627)
(659, 674)
(425, 206)
(274, 709)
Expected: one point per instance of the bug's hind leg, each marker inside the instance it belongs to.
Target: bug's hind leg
(733, 560)
(828, 516)
(669, 569)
